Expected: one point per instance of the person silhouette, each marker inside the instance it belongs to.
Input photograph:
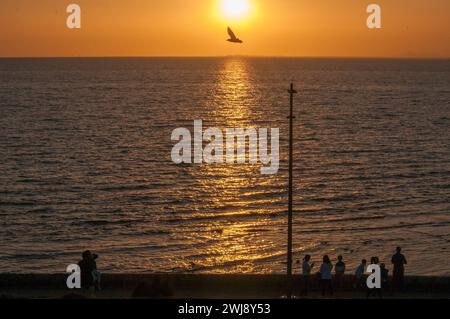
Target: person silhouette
(384, 277)
(340, 270)
(359, 274)
(307, 266)
(325, 276)
(90, 276)
(374, 291)
(398, 274)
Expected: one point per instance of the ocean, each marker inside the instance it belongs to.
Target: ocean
(86, 163)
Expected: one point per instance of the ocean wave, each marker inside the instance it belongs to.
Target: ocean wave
(224, 216)
(374, 228)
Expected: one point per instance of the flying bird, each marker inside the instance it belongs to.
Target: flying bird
(233, 37)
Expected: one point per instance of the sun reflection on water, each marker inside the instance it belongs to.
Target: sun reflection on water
(233, 243)
(234, 95)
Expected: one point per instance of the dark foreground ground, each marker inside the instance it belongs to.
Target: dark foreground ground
(190, 286)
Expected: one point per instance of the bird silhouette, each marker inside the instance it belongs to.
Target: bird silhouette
(233, 37)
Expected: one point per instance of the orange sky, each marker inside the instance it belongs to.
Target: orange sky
(411, 28)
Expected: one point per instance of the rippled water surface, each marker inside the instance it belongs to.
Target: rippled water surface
(85, 163)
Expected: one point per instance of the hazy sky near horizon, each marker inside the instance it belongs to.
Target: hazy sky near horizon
(410, 28)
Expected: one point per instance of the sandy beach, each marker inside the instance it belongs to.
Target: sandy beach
(188, 286)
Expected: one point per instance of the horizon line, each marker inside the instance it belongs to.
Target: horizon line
(229, 56)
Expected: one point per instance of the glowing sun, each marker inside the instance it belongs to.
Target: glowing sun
(235, 9)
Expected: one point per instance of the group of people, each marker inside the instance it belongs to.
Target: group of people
(325, 273)
(90, 276)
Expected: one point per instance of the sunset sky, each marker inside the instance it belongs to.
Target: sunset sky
(411, 28)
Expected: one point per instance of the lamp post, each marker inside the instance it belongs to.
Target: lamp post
(291, 117)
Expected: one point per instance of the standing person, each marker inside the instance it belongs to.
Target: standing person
(307, 266)
(96, 275)
(384, 277)
(325, 276)
(90, 276)
(340, 270)
(374, 291)
(398, 274)
(86, 268)
(359, 274)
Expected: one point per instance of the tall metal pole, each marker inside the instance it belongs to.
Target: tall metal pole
(289, 243)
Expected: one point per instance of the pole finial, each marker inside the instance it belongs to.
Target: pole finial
(291, 89)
